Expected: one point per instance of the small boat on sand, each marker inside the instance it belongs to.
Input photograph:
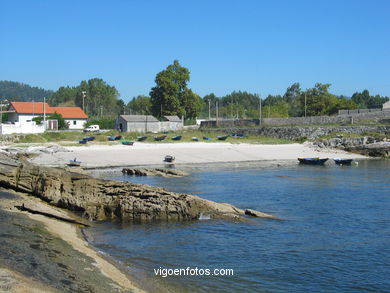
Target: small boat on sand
(127, 142)
(82, 141)
(340, 161)
(206, 138)
(222, 137)
(194, 138)
(312, 161)
(169, 159)
(114, 137)
(159, 138)
(141, 138)
(89, 138)
(74, 163)
(177, 137)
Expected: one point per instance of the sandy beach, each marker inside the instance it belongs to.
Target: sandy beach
(95, 156)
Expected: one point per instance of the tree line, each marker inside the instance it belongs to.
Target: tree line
(171, 96)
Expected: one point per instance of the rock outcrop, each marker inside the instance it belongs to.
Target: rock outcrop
(365, 145)
(154, 172)
(99, 199)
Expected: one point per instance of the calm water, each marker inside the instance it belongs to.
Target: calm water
(335, 236)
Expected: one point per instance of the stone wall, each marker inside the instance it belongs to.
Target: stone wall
(298, 132)
(369, 116)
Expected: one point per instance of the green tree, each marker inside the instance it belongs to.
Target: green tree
(171, 96)
(292, 98)
(139, 105)
(63, 96)
(100, 98)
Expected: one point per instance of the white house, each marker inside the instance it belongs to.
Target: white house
(24, 112)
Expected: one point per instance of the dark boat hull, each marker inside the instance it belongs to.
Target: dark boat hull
(159, 138)
(222, 137)
(343, 161)
(312, 161)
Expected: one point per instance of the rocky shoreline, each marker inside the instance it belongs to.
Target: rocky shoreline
(42, 249)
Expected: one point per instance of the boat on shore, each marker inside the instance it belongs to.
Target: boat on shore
(222, 137)
(159, 138)
(89, 138)
(74, 163)
(127, 142)
(194, 138)
(177, 137)
(82, 141)
(312, 161)
(141, 138)
(340, 161)
(169, 159)
(114, 137)
(206, 138)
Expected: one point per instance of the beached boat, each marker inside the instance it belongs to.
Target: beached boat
(114, 137)
(194, 138)
(82, 141)
(159, 138)
(239, 135)
(312, 161)
(177, 137)
(222, 137)
(74, 163)
(141, 138)
(89, 138)
(340, 161)
(127, 142)
(206, 138)
(169, 159)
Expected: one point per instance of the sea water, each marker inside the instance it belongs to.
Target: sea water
(334, 235)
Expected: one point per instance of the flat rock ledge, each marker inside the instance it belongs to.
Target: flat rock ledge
(154, 172)
(99, 199)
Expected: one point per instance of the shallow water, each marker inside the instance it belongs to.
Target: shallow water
(334, 237)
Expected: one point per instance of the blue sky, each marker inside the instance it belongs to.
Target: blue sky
(256, 46)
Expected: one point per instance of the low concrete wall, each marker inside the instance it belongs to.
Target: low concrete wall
(18, 127)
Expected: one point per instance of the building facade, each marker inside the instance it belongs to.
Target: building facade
(24, 112)
(147, 123)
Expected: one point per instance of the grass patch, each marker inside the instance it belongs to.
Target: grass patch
(71, 138)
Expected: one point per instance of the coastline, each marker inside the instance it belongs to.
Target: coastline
(144, 154)
(96, 263)
(99, 156)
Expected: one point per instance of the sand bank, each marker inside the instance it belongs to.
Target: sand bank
(94, 156)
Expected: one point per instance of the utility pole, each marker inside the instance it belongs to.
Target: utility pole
(260, 112)
(84, 93)
(209, 111)
(44, 113)
(305, 105)
(216, 112)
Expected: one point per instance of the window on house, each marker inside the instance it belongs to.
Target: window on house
(74, 122)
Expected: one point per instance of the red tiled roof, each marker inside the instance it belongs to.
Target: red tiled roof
(30, 107)
(70, 112)
(38, 107)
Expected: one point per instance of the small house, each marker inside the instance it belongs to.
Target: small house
(23, 112)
